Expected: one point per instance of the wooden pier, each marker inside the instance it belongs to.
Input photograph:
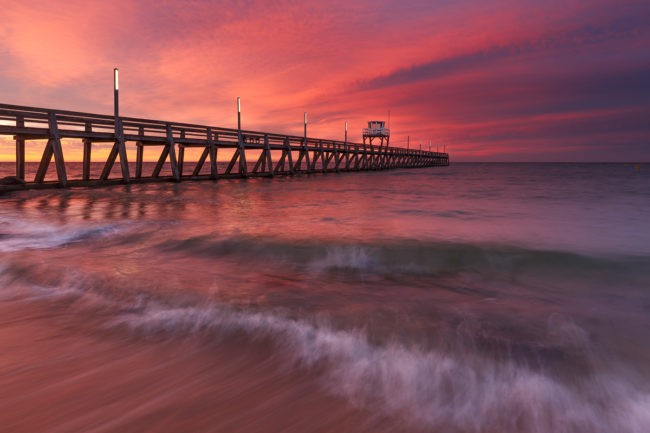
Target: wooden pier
(297, 155)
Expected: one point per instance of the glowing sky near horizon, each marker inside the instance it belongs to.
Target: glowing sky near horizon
(496, 81)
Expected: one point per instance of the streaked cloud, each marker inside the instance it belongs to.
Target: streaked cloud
(493, 80)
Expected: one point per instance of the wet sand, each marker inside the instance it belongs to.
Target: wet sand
(57, 375)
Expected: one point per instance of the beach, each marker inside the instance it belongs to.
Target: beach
(470, 298)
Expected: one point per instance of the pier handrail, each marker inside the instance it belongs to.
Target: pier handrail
(53, 125)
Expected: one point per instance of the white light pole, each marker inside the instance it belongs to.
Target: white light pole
(239, 115)
(116, 88)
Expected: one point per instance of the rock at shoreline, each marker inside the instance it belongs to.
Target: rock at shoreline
(11, 180)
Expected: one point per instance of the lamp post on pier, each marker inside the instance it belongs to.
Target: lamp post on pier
(243, 168)
(239, 117)
(116, 93)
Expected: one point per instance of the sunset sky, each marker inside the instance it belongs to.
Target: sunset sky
(496, 81)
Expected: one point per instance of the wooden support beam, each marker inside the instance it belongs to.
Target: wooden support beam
(20, 150)
(318, 152)
(287, 145)
(108, 166)
(86, 159)
(45, 162)
(57, 150)
(209, 150)
(286, 155)
(243, 167)
(301, 155)
(280, 165)
(161, 161)
(269, 159)
(172, 154)
(181, 154)
(121, 147)
(347, 156)
(212, 149)
(260, 160)
(323, 162)
(138, 159)
(181, 158)
(305, 154)
(233, 161)
(201, 161)
(86, 152)
(337, 158)
(359, 159)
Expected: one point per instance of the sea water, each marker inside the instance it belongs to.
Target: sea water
(470, 298)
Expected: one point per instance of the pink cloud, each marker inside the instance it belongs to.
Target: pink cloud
(465, 73)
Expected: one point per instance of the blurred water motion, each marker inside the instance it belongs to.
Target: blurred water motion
(476, 298)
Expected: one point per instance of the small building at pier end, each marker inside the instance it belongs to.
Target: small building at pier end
(376, 129)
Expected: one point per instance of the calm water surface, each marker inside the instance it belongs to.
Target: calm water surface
(472, 298)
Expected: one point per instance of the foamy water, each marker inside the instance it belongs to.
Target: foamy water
(474, 298)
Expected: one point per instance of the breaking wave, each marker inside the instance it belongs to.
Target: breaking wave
(456, 391)
(17, 235)
(421, 258)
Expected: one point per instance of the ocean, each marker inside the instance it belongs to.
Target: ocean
(470, 298)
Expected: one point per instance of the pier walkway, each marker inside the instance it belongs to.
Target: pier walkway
(293, 154)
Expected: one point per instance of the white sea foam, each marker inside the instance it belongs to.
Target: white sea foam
(463, 392)
(20, 235)
(459, 391)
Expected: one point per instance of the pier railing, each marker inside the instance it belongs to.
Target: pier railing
(297, 154)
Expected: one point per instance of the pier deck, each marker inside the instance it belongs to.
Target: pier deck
(297, 155)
